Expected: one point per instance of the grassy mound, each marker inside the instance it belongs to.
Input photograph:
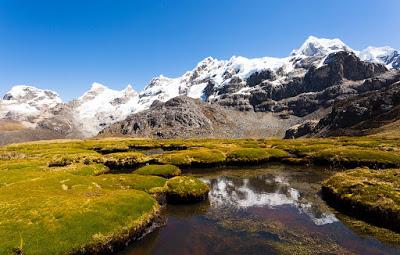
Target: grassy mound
(183, 189)
(166, 171)
(125, 159)
(353, 157)
(344, 151)
(255, 155)
(86, 169)
(71, 206)
(371, 195)
(65, 213)
(193, 157)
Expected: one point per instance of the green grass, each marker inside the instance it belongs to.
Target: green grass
(166, 171)
(368, 194)
(86, 169)
(59, 196)
(64, 212)
(196, 156)
(68, 207)
(247, 155)
(186, 189)
(345, 151)
(125, 159)
(370, 187)
(361, 156)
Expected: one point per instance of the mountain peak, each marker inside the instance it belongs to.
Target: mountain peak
(27, 103)
(384, 55)
(206, 61)
(315, 46)
(25, 92)
(128, 88)
(98, 87)
(129, 91)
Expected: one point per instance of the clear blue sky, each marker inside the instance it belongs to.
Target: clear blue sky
(67, 45)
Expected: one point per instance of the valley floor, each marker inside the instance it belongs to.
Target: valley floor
(97, 195)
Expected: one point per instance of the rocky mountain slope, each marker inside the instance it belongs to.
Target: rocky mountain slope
(303, 86)
(186, 117)
(375, 107)
(364, 113)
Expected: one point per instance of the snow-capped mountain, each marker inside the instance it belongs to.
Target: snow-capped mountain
(101, 106)
(314, 46)
(382, 55)
(28, 104)
(296, 85)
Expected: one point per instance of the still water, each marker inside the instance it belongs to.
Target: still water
(275, 209)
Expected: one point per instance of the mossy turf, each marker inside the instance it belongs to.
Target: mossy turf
(367, 194)
(166, 171)
(193, 157)
(58, 212)
(186, 189)
(255, 155)
(72, 206)
(61, 196)
(127, 159)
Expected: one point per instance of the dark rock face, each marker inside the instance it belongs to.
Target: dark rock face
(236, 101)
(165, 120)
(258, 77)
(301, 129)
(300, 95)
(359, 114)
(348, 66)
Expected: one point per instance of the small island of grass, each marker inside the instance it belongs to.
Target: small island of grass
(186, 189)
(166, 171)
(371, 195)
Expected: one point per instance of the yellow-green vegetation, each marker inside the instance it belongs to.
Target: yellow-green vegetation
(186, 189)
(125, 159)
(368, 194)
(358, 156)
(193, 157)
(166, 171)
(255, 155)
(374, 152)
(58, 212)
(72, 207)
(62, 196)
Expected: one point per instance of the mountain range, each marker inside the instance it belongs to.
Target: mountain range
(320, 88)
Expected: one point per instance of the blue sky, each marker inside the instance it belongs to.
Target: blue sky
(67, 45)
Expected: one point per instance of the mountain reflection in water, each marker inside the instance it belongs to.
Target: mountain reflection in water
(274, 209)
(266, 190)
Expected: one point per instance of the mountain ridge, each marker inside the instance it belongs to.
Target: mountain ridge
(311, 77)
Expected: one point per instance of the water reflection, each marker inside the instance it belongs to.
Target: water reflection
(263, 191)
(265, 210)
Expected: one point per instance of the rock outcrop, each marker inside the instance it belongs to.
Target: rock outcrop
(186, 117)
(364, 113)
(300, 130)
